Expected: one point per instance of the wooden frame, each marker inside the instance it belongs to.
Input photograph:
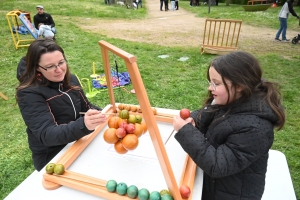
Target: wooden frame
(221, 36)
(96, 186)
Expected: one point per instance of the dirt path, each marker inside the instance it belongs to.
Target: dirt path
(181, 28)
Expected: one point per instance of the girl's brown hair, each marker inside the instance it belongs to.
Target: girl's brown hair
(243, 70)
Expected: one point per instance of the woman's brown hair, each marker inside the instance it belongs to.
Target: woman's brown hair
(36, 49)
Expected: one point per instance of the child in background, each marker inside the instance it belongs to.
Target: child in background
(45, 31)
(230, 136)
(286, 9)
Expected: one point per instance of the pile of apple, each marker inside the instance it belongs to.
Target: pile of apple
(124, 131)
(133, 108)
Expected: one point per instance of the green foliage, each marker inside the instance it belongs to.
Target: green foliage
(169, 83)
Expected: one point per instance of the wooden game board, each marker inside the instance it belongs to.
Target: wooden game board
(96, 186)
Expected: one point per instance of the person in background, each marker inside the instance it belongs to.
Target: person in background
(166, 5)
(45, 18)
(230, 136)
(161, 4)
(50, 99)
(45, 31)
(177, 4)
(286, 9)
(172, 5)
(139, 2)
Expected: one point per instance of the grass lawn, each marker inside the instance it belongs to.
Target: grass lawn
(169, 83)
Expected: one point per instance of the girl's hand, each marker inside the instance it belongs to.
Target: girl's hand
(93, 118)
(178, 122)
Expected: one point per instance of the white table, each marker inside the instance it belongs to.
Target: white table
(278, 180)
(32, 188)
(279, 185)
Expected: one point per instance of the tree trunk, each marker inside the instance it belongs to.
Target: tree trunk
(227, 2)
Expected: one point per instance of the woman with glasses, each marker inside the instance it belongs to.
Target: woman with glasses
(50, 99)
(230, 136)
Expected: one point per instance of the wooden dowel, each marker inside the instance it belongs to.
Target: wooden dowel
(165, 115)
(170, 136)
(82, 113)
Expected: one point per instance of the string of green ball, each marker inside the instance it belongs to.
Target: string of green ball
(133, 192)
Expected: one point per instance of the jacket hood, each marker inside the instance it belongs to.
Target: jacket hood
(21, 68)
(256, 105)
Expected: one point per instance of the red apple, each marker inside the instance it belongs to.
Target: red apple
(121, 132)
(184, 191)
(123, 125)
(130, 128)
(185, 113)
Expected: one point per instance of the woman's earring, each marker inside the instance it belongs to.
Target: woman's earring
(39, 76)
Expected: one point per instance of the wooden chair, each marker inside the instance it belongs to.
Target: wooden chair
(221, 36)
(3, 96)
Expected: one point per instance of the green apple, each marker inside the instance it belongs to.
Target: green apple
(138, 119)
(163, 192)
(131, 119)
(59, 169)
(50, 168)
(124, 114)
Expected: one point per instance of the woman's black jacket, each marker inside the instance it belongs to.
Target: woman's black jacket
(51, 114)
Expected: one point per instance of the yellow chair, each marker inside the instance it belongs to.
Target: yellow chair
(14, 22)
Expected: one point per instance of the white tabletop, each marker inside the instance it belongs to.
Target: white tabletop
(142, 163)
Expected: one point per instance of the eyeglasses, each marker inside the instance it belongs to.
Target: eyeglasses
(213, 85)
(53, 67)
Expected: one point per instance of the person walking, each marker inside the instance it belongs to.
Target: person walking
(286, 9)
(230, 136)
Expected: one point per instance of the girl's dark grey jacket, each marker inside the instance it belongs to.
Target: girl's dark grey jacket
(51, 114)
(231, 146)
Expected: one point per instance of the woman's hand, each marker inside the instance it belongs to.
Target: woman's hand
(178, 122)
(93, 118)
